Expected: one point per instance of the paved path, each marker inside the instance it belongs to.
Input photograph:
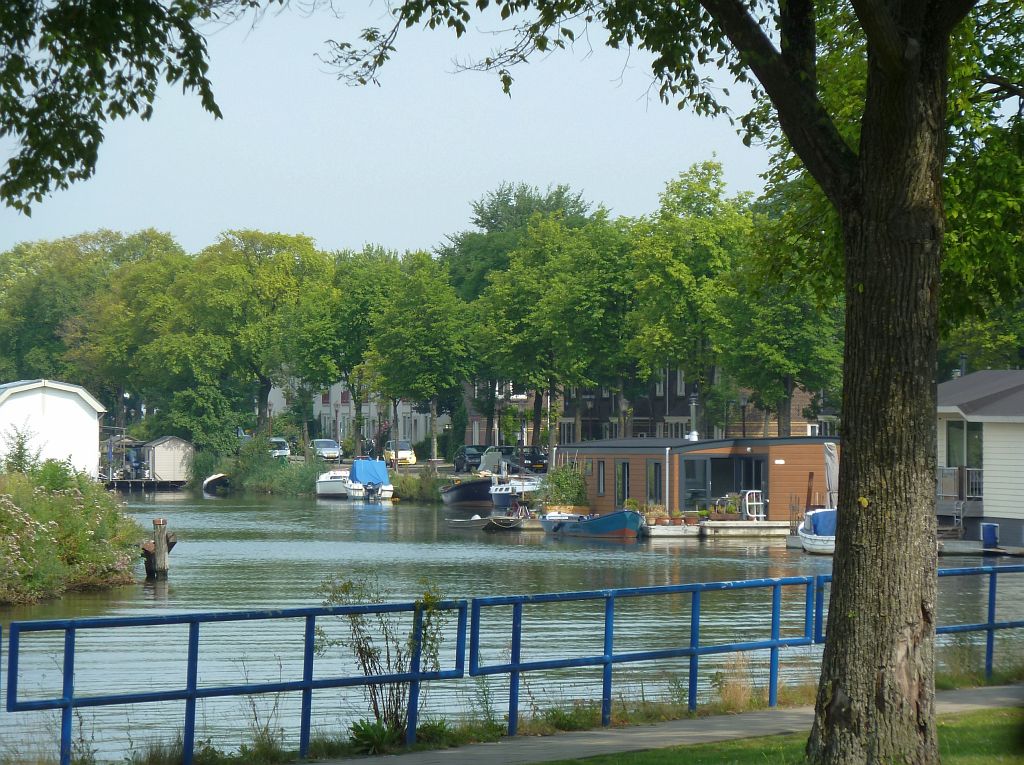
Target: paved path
(563, 746)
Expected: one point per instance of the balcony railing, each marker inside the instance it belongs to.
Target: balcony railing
(959, 483)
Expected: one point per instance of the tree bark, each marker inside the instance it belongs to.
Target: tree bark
(876, 698)
(263, 402)
(786, 409)
(538, 416)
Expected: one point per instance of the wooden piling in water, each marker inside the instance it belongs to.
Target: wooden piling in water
(155, 551)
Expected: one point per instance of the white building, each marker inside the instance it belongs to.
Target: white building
(61, 421)
(169, 459)
(981, 452)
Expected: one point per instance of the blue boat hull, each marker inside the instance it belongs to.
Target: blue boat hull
(621, 524)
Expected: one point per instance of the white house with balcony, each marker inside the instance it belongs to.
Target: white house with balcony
(61, 421)
(981, 453)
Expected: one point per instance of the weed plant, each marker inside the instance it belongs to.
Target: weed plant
(60, 530)
(424, 486)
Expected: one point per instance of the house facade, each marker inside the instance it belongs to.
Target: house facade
(980, 435)
(61, 421)
(683, 475)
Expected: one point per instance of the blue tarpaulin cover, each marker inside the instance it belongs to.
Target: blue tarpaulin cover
(823, 523)
(369, 471)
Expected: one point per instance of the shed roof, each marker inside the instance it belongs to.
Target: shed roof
(995, 395)
(165, 439)
(9, 389)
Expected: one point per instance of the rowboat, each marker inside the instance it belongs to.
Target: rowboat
(620, 524)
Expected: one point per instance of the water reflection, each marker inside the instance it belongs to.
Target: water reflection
(263, 552)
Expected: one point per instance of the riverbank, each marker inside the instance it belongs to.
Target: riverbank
(61, 531)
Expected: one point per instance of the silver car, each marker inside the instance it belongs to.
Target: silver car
(326, 449)
(279, 447)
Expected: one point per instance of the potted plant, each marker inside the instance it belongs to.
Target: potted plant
(655, 514)
(565, 488)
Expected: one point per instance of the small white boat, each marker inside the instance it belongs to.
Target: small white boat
(333, 483)
(817, 531)
(503, 489)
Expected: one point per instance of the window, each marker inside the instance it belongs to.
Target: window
(621, 483)
(655, 486)
(680, 382)
(588, 466)
(659, 385)
(600, 478)
(955, 443)
(604, 392)
(325, 397)
(812, 428)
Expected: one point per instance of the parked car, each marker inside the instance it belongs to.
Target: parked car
(279, 447)
(532, 458)
(326, 449)
(468, 457)
(404, 454)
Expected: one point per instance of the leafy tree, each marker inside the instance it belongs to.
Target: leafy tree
(45, 285)
(419, 347)
(876, 695)
(681, 256)
(70, 67)
(332, 323)
(501, 217)
(772, 338)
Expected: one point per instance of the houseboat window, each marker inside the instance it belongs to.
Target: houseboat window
(655, 488)
(588, 466)
(695, 482)
(600, 478)
(621, 483)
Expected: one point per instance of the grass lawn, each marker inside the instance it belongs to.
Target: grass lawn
(986, 737)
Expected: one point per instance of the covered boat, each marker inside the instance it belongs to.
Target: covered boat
(817, 531)
(333, 483)
(468, 494)
(620, 524)
(369, 480)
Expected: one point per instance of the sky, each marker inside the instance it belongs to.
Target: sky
(300, 152)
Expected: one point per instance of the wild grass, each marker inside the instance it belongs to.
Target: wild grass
(424, 486)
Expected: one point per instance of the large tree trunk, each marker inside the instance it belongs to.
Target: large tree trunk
(876, 698)
(538, 416)
(786, 409)
(263, 388)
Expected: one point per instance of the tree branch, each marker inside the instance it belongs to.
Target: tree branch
(883, 35)
(807, 125)
(798, 40)
(950, 13)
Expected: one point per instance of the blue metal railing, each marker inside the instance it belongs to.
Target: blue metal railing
(691, 647)
(67, 702)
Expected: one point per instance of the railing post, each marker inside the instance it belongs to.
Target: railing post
(819, 609)
(309, 644)
(990, 634)
(609, 649)
(513, 679)
(691, 690)
(68, 696)
(192, 674)
(414, 669)
(809, 609)
(773, 662)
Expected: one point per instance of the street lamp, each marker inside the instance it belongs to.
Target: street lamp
(693, 435)
(744, 400)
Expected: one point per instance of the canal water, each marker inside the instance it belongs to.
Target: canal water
(247, 553)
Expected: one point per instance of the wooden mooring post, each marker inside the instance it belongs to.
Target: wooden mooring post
(155, 551)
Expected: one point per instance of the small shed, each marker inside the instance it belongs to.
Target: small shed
(169, 458)
(61, 421)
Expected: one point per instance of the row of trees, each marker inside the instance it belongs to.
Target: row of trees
(545, 291)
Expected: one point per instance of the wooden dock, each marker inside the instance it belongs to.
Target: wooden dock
(143, 485)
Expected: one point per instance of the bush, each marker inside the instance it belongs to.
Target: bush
(565, 485)
(60, 530)
(424, 486)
